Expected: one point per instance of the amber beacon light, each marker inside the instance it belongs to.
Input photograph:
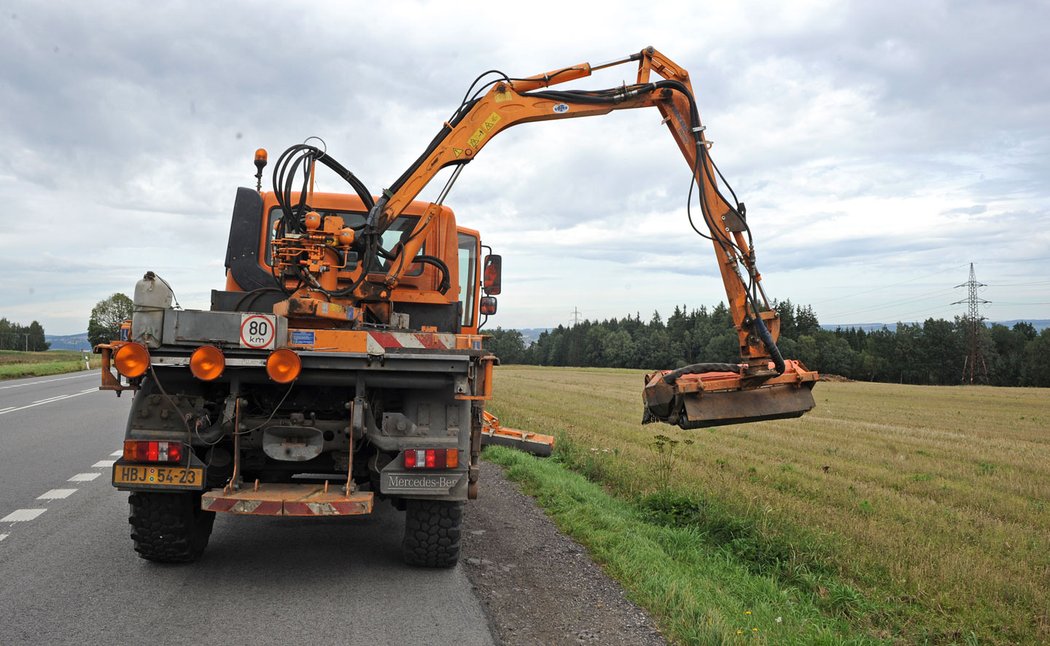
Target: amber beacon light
(131, 360)
(283, 366)
(207, 363)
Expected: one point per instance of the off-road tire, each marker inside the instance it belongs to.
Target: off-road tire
(432, 530)
(169, 527)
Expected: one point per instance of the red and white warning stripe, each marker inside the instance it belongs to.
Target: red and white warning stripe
(380, 342)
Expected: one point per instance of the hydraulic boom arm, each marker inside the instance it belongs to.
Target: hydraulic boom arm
(762, 386)
(513, 101)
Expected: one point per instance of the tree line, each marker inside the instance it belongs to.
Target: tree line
(931, 353)
(28, 338)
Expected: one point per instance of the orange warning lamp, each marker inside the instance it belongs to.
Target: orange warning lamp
(131, 360)
(260, 164)
(283, 366)
(207, 363)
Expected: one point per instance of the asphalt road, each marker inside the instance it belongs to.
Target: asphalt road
(68, 574)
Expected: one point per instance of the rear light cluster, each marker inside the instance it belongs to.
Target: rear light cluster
(431, 458)
(152, 451)
(207, 363)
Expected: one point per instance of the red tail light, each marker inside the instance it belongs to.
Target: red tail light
(431, 458)
(152, 451)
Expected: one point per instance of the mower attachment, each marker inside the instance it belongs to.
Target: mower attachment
(718, 394)
(535, 443)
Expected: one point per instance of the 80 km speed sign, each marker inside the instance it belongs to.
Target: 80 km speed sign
(258, 331)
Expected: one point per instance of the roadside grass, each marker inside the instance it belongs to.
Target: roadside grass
(700, 593)
(915, 514)
(15, 364)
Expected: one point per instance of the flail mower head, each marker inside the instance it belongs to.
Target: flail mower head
(717, 394)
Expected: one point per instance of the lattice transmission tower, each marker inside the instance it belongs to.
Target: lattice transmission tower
(974, 367)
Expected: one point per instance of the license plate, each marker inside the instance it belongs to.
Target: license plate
(158, 476)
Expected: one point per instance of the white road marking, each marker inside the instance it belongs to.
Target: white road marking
(117, 454)
(45, 401)
(56, 494)
(3, 536)
(84, 477)
(4, 410)
(47, 381)
(21, 515)
(103, 464)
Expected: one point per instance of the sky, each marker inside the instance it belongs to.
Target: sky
(880, 148)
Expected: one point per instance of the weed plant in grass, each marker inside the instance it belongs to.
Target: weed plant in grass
(36, 364)
(915, 513)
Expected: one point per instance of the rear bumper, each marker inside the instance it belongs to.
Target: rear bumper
(302, 500)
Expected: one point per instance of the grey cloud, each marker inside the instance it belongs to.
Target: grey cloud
(145, 119)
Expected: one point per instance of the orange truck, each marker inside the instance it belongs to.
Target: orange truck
(344, 361)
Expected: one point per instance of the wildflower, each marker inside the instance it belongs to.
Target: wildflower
(739, 631)
(754, 630)
(747, 612)
(780, 620)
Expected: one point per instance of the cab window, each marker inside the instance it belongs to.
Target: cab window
(468, 275)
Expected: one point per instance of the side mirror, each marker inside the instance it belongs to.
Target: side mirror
(488, 305)
(493, 274)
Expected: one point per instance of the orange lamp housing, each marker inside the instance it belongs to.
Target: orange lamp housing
(207, 363)
(283, 366)
(131, 360)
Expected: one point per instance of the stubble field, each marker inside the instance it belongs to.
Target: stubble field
(897, 513)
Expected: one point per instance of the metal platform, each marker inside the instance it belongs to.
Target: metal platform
(281, 499)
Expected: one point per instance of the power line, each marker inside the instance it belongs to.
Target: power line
(881, 287)
(921, 297)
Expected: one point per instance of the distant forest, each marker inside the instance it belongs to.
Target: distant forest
(14, 336)
(933, 353)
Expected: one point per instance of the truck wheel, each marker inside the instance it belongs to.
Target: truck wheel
(432, 529)
(169, 527)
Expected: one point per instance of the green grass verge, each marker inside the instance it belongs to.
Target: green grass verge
(695, 580)
(916, 514)
(14, 365)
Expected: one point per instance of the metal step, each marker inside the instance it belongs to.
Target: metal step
(287, 499)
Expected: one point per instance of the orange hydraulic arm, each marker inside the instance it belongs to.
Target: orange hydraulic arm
(513, 101)
(763, 386)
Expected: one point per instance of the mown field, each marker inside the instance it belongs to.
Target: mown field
(904, 514)
(34, 364)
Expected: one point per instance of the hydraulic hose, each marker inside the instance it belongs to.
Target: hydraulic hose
(699, 369)
(759, 326)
